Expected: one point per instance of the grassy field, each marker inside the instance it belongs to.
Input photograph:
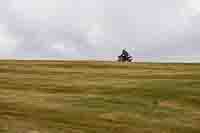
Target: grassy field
(99, 97)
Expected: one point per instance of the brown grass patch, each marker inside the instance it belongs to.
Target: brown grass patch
(170, 104)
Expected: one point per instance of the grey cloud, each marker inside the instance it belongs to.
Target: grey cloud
(99, 29)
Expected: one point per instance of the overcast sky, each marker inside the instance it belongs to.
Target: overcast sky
(153, 30)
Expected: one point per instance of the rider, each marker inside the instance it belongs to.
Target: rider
(125, 56)
(125, 53)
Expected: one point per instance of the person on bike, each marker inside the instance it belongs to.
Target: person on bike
(125, 56)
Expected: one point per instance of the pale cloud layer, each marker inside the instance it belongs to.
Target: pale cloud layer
(156, 30)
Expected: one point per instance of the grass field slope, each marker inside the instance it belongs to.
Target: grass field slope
(98, 97)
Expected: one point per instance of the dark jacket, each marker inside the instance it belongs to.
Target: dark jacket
(125, 53)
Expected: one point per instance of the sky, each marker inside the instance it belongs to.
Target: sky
(156, 30)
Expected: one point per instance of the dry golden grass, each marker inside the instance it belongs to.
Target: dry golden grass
(98, 97)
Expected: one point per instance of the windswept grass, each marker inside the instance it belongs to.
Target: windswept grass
(99, 97)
